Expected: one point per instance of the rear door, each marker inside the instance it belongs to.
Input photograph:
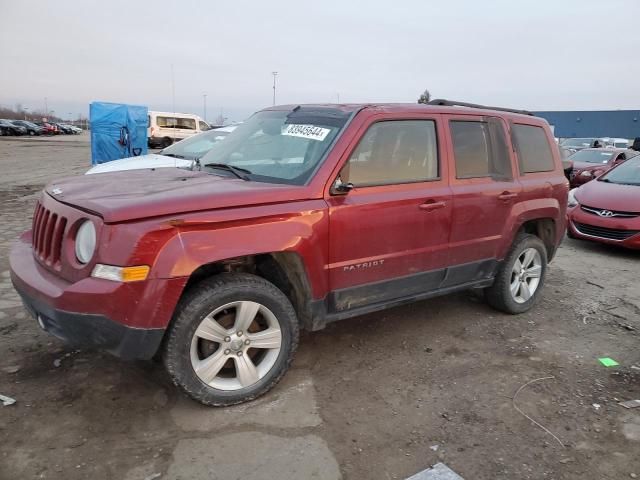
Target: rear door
(484, 193)
(388, 235)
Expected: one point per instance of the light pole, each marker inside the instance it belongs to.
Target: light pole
(204, 102)
(46, 107)
(275, 74)
(25, 109)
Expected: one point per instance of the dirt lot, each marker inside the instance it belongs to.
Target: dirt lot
(378, 397)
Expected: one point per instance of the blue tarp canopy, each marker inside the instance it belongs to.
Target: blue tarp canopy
(117, 131)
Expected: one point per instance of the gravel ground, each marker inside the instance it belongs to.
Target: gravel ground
(381, 396)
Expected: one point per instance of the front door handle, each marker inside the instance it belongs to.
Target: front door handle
(430, 206)
(507, 196)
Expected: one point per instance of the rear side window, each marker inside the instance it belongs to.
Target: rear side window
(534, 152)
(176, 122)
(480, 149)
(391, 152)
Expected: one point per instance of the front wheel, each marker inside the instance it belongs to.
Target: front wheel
(520, 277)
(232, 340)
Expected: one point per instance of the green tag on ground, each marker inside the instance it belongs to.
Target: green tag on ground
(608, 362)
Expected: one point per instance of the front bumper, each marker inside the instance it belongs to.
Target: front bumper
(87, 330)
(588, 226)
(126, 319)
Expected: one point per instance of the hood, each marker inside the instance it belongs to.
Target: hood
(135, 163)
(590, 166)
(610, 196)
(135, 194)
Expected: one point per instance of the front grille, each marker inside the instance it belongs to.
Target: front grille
(614, 213)
(48, 232)
(602, 232)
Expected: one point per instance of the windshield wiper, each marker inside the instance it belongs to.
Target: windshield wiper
(174, 155)
(237, 171)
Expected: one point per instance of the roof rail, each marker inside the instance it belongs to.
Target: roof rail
(453, 103)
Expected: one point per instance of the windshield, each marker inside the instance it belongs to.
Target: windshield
(278, 146)
(627, 173)
(578, 142)
(195, 147)
(621, 144)
(592, 156)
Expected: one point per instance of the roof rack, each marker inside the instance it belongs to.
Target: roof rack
(454, 103)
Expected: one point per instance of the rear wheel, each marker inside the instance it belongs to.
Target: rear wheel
(232, 340)
(520, 277)
(31, 133)
(166, 142)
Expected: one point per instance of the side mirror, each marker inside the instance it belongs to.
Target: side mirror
(340, 188)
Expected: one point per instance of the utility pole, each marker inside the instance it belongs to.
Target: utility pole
(204, 101)
(275, 74)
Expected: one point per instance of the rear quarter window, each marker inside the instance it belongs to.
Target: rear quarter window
(534, 151)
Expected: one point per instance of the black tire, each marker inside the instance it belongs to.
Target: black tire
(204, 298)
(31, 133)
(570, 233)
(167, 142)
(499, 295)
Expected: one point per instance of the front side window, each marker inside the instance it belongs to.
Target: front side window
(534, 152)
(480, 149)
(278, 146)
(391, 152)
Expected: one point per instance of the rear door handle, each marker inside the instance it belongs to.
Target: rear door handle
(507, 195)
(430, 205)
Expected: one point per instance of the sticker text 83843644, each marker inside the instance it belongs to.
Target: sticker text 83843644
(306, 131)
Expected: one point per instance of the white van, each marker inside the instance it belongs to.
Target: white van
(165, 128)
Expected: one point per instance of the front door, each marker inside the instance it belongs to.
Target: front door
(388, 235)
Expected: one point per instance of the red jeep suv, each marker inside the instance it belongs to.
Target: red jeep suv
(304, 215)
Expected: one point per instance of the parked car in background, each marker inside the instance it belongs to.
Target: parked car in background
(49, 128)
(7, 128)
(572, 145)
(66, 129)
(616, 142)
(607, 210)
(304, 215)
(32, 128)
(75, 129)
(166, 128)
(182, 154)
(590, 163)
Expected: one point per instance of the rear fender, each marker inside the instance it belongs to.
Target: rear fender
(531, 210)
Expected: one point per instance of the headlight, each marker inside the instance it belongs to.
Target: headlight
(586, 173)
(85, 242)
(572, 198)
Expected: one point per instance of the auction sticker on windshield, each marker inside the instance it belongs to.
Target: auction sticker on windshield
(306, 131)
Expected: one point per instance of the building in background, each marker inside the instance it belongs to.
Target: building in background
(597, 123)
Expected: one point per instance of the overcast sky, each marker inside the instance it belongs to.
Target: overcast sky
(549, 55)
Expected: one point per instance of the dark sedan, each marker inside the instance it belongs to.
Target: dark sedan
(32, 128)
(8, 128)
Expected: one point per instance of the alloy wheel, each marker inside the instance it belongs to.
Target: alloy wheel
(525, 275)
(236, 345)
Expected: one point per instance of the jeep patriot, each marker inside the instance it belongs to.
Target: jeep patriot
(303, 215)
